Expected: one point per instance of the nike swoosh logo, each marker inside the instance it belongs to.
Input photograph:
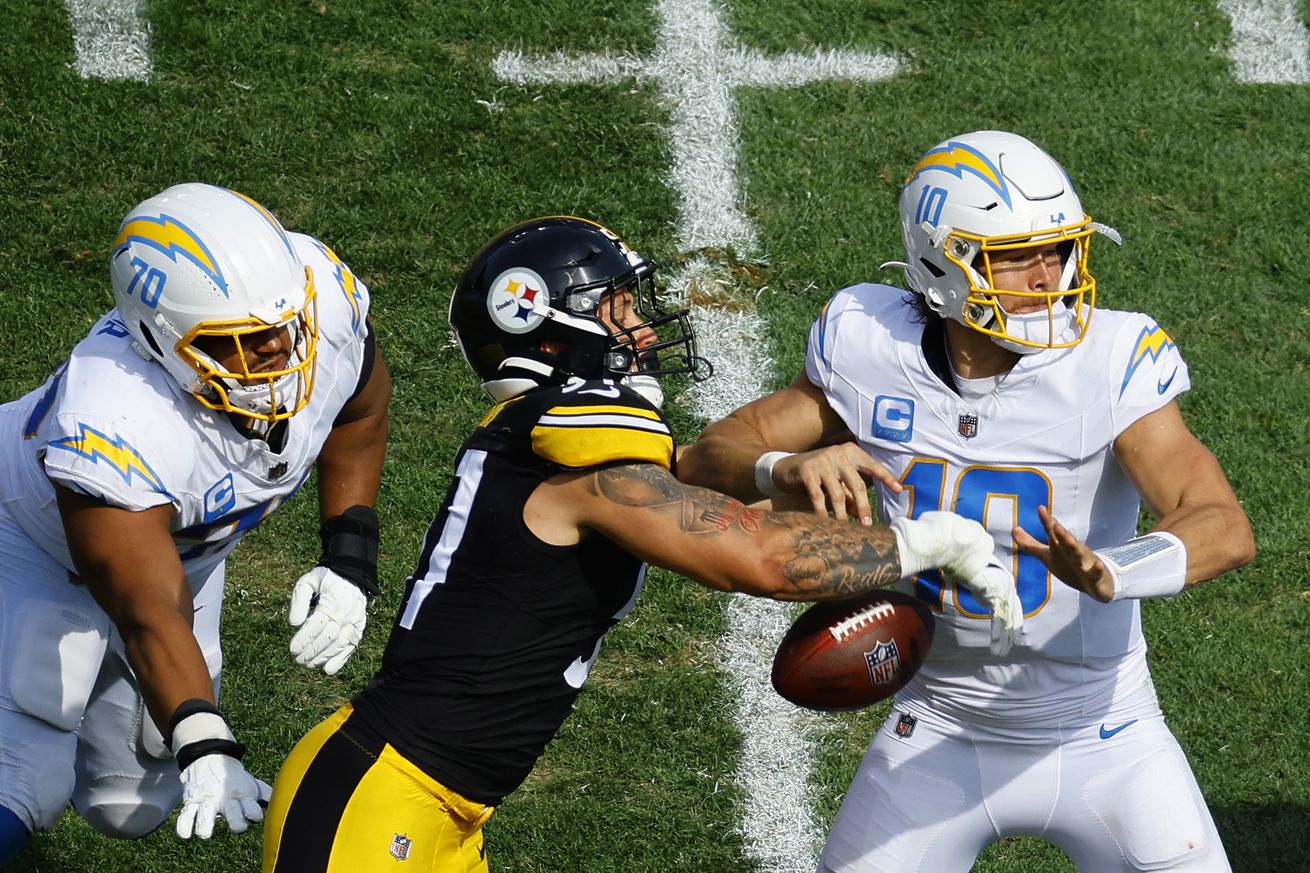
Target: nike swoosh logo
(1106, 733)
(611, 391)
(1162, 387)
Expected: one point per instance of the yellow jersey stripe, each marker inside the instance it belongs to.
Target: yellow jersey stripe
(589, 446)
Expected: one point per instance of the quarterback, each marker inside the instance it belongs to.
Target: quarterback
(237, 355)
(559, 498)
(996, 388)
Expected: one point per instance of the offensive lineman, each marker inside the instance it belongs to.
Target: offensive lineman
(559, 497)
(989, 391)
(237, 356)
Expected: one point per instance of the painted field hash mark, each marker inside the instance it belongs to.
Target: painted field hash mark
(1270, 45)
(696, 66)
(111, 37)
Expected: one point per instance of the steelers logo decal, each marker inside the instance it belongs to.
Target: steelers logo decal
(518, 300)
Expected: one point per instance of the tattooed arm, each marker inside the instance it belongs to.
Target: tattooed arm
(715, 539)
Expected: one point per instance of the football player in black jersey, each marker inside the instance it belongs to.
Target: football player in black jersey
(559, 498)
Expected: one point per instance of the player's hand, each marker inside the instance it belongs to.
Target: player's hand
(835, 478)
(330, 633)
(217, 785)
(1069, 558)
(994, 587)
(214, 783)
(962, 548)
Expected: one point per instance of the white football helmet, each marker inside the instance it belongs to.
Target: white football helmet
(990, 192)
(201, 261)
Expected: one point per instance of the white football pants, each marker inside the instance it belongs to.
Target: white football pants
(932, 801)
(73, 726)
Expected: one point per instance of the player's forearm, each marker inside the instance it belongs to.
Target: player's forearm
(723, 458)
(350, 465)
(167, 662)
(817, 558)
(1217, 536)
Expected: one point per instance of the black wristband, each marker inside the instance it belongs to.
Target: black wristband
(185, 708)
(187, 755)
(350, 547)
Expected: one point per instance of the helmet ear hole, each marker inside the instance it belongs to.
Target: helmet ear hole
(151, 341)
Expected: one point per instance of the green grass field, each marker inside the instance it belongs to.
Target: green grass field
(382, 128)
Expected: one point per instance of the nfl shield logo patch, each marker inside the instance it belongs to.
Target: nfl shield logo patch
(905, 725)
(968, 426)
(884, 662)
(400, 847)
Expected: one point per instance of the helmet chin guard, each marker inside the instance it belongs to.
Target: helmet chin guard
(981, 196)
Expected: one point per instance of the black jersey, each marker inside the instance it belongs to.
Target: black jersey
(498, 630)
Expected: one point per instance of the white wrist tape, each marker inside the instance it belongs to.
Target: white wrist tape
(912, 562)
(764, 473)
(1154, 565)
(201, 726)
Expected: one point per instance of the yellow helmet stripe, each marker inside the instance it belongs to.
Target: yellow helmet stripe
(173, 238)
(957, 159)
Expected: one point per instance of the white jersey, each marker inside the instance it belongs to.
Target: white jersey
(117, 427)
(1043, 436)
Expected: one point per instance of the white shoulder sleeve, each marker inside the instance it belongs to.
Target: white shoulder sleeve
(99, 459)
(1146, 371)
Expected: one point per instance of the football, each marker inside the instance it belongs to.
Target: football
(852, 653)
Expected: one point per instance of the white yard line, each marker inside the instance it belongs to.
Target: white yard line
(1270, 45)
(111, 37)
(696, 68)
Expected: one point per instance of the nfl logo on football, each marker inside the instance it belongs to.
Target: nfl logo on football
(400, 847)
(968, 426)
(884, 662)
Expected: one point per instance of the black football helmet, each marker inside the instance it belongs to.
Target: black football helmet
(548, 279)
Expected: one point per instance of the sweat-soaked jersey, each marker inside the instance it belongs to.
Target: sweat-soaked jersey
(1043, 436)
(498, 630)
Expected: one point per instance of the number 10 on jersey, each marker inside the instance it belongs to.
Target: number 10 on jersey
(996, 497)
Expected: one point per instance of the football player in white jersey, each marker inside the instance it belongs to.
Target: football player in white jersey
(238, 356)
(996, 388)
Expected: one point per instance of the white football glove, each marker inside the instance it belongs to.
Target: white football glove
(329, 635)
(214, 782)
(216, 785)
(959, 545)
(963, 548)
(994, 588)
